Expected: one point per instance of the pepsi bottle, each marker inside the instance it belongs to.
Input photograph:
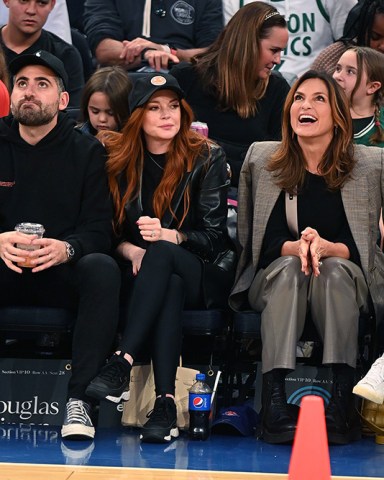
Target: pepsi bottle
(199, 408)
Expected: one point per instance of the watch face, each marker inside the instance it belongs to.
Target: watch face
(70, 250)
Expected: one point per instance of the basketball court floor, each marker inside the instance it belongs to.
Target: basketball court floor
(38, 453)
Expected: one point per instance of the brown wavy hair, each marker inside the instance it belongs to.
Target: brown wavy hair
(227, 69)
(126, 159)
(372, 62)
(336, 166)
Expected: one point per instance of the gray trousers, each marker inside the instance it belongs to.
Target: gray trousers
(282, 293)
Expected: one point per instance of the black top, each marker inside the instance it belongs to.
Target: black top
(186, 24)
(152, 173)
(233, 133)
(60, 182)
(67, 53)
(317, 207)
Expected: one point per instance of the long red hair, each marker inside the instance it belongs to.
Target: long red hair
(126, 160)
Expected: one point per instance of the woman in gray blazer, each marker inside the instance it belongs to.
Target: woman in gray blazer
(323, 260)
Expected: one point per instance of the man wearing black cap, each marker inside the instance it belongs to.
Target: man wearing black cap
(24, 34)
(53, 175)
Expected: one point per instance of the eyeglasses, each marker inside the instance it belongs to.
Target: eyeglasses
(160, 10)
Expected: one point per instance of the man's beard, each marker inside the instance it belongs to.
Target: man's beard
(32, 117)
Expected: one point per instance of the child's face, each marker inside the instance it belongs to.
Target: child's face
(100, 114)
(346, 75)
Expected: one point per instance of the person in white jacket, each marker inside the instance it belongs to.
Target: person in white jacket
(312, 26)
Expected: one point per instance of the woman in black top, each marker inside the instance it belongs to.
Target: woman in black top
(232, 87)
(169, 186)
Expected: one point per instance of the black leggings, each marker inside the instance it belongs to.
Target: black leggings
(170, 279)
(91, 288)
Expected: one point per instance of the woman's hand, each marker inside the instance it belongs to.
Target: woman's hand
(150, 228)
(152, 231)
(133, 253)
(316, 248)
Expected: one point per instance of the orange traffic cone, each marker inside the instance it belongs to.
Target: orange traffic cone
(310, 453)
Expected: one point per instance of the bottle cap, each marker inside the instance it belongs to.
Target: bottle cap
(200, 377)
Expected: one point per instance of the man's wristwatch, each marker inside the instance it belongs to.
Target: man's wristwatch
(70, 251)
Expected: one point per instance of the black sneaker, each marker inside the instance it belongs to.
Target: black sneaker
(161, 426)
(112, 383)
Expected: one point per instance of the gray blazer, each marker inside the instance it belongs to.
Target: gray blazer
(362, 198)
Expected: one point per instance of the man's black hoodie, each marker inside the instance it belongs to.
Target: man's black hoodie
(60, 182)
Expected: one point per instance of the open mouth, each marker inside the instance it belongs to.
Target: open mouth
(307, 119)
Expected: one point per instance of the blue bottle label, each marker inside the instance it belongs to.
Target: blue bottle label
(200, 402)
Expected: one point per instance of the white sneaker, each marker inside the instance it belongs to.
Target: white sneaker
(77, 424)
(371, 386)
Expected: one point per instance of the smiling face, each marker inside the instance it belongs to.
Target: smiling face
(100, 113)
(161, 121)
(311, 113)
(270, 50)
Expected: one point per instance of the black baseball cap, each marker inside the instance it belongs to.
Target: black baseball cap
(144, 87)
(41, 57)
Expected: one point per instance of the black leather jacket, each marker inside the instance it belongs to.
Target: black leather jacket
(205, 224)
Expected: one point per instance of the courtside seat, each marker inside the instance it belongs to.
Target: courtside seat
(35, 319)
(27, 331)
(205, 322)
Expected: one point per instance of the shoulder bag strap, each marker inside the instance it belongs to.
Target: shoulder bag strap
(291, 213)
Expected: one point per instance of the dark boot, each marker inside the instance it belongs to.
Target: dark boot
(278, 421)
(343, 423)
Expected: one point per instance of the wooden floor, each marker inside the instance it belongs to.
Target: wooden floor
(11, 471)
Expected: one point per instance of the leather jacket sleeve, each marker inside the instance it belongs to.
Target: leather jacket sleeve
(206, 222)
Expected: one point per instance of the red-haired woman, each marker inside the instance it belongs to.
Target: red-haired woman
(169, 186)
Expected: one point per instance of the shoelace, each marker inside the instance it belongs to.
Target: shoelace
(112, 370)
(77, 412)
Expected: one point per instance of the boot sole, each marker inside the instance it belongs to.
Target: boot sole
(344, 438)
(159, 437)
(281, 437)
(369, 394)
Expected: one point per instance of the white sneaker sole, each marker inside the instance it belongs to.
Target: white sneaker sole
(123, 397)
(151, 438)
(77, 430)
(367, 392)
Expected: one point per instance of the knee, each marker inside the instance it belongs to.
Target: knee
(160, 251)
(335, 269)
(290, 269)
(99, 267)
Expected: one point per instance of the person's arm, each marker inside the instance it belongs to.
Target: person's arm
(209, 23)
(102, 22)
(207, 237)
(93, 232)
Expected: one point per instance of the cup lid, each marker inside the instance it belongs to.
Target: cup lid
(28, 227)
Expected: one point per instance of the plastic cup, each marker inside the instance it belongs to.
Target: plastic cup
(200, 127)
(29, 229)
